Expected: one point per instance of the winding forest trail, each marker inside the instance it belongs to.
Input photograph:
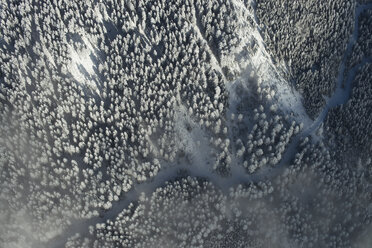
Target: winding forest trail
(238, 175)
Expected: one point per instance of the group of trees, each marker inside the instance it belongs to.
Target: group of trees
(185, 212)
(218, 21)
(330, 197)
(266, 141)
(70, 147)
(348, 126)
(362, 48)
(315, 202)
(311, 39)
(260, 130)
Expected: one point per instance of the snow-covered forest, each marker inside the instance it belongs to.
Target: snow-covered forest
(185, 123)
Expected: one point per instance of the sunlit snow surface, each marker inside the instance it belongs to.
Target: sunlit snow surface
(82, 66)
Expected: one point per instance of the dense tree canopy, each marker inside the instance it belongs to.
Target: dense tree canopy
(185, 123)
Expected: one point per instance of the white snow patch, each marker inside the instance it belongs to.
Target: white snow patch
(49, 56)
(98, 14)
(88, 43)
(82, 66)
